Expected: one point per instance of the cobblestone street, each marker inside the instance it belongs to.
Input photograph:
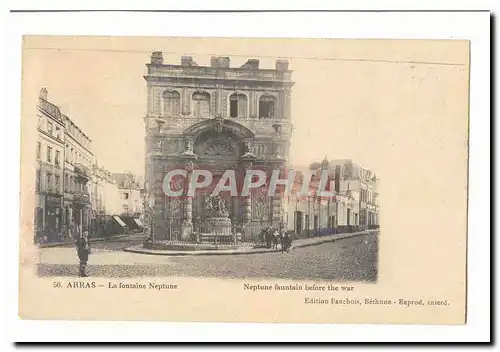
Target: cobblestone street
(350, 259)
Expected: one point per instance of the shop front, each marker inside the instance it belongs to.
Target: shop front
(52, 217)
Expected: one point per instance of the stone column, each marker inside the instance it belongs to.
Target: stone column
(251, 107)
(218, 105)
(281, 105)
(150, 100)
(247, 200)
(185, 101)
(288, 106)
(187, 224)
(255, 104)
(157, 101)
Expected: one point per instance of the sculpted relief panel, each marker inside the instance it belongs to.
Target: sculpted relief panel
(218, 146)
(165, 146)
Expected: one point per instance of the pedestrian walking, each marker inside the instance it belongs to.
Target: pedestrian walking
(83, 250)
(286, 241)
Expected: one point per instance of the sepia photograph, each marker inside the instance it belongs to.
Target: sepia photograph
(208, 176)
(325, 175)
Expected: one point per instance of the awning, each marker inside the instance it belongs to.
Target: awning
(120, 221)
(138, 222)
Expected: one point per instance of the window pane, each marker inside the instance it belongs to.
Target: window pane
(172, 103)
(266, 106)
(201, 104)
(233, 108)
(37, 180)
(242, 106)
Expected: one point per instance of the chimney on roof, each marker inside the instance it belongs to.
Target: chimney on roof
(281, 65)
(43, 93)
(251, 64)
(186, 61)
(219, 61)
(157, 58)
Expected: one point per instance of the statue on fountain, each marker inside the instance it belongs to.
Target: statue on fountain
(217, 220)
(216, 207)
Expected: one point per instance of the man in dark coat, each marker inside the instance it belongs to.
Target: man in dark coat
(83, 250)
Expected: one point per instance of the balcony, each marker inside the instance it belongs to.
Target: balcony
(82, 172)
(81, 197)
(51, 190)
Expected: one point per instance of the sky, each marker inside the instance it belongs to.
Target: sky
(369, 101)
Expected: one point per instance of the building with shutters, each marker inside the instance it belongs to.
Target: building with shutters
(362, 185)
(313, 214)
(352, 206)
(78, 159)
(64, 156)
(49, 215)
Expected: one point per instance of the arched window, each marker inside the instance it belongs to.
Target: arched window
(201, 102)
(238, 105)
(267, 105)
(171, 103)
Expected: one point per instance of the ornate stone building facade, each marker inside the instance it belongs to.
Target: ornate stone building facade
(215, 117)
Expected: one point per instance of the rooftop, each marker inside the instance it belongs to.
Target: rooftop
(220, 67)
(126, 180)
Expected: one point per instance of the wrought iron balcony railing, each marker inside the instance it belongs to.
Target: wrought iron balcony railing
(82, 171)
(81, 196)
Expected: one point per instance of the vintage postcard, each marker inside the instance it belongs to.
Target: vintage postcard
(244, 179)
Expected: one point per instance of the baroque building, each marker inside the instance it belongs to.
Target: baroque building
(219, 118)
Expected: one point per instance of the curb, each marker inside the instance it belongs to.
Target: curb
(199, 253)
(333, 239)
(91, 240)
(241, 252)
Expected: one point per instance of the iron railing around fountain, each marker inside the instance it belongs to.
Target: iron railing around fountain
(201, 233)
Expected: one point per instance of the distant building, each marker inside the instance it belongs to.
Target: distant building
(352, 205)
(129, 187)
(311, 215)
(105, 194)
(362, 183)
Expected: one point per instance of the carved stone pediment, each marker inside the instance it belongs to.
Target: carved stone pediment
(218, 146)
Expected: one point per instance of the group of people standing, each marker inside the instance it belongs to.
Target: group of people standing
(274, 237)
